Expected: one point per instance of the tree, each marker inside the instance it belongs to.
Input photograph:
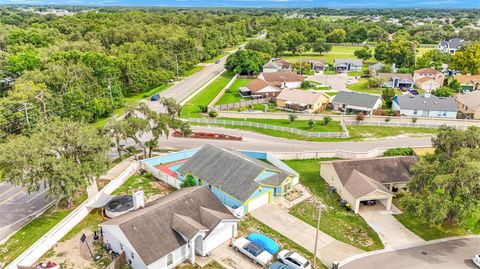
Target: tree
(311, 123)
(262, 45)
(245, 62)
(433, 58)
(360, 116)
(303, 68)
(23, 61)
(467, 59)
(443, 92)
(399, 51)
(364, 53)
(189, 181)
(445, 185)
(327, 120)
(212, 114)
(63, 155)
(376, 82)
(115, 130)
(321, 46)
(292, 117)
(455, 85)
(387, 96)
(337, 36)
(173, 108)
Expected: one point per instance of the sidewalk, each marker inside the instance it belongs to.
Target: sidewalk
(328, 250)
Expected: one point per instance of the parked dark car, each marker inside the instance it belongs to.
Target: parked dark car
(369, 202)
(414, 92)
(366, 76)
(155, 97)
(217, 61)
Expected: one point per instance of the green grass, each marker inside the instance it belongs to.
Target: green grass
(193, 70)
(333, 126)
(90, 222)
(365, 131)
(191, 108)
(231, 95)
(34, 230)
(362, 86)
(210, 265)
(250, 225)
(342, 225)
(132, 100)
(218, 57)
(340, 52)
(144, 181)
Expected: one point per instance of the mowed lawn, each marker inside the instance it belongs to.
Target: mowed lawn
(333, 126)
(203, 98)
(336, 52)
(231, 95)
(342, 225)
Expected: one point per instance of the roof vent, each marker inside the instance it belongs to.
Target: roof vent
(424, 101)
(435, 102)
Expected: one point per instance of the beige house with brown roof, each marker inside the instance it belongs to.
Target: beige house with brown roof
(259, 89)
(301, 100)
(368, 179)
(468, 104)
(428, 79)
(285, 79)
(468, 82)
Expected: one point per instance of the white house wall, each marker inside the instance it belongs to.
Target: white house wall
(223, 232)
(293, 85)
(114, 236)
(179, 256)
(450, 114)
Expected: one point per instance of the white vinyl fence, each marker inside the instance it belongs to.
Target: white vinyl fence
(404, 124)
(267, 126)
(161, 175)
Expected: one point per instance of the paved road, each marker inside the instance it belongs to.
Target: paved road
(453, 254)
(18, 207)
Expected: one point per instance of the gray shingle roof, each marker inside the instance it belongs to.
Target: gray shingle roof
(432, 103)
(231, 171)
(454, 43)
(154, 230)
(355, 62)
(356, 99)
(360, 185)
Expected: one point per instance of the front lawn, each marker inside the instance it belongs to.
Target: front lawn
(365, 132)
(203, 98)
(231, 95)
(250, 225)
(362, 86)
(342, 225)
(333, 126)
(337, 52)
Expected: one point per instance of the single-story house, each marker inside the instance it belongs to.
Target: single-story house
(301, 100)
(284, 79)
(354, 102)
(397, 81)
(428, 79)
(318, 65)
(468, 104)
(377, 68)
(468, 82)
(276, 65)
(451, 46)
(368, 179)
(344, 65)
(171, 230)
(237, 179)
(426, 105)
(259, 89)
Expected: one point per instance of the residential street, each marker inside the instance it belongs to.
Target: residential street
(452, 254)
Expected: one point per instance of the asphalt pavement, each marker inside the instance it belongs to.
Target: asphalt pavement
(450, 254)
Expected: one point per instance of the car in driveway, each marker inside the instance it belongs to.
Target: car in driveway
(279, 265)
(476, 260)
(253, 251)
(293, 259)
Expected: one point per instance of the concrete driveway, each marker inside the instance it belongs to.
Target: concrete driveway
(392, 233)
(228, 258)
(336, 82)
(329, 249)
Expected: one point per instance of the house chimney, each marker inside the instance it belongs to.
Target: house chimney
(138, 199)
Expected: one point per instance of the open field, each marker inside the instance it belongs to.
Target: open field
(336, 52)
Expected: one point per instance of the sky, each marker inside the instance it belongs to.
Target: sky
(264, 3)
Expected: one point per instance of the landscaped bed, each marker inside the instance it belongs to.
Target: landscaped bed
(335, 220)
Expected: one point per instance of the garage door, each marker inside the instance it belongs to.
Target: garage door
(258, 202)
(219, 236)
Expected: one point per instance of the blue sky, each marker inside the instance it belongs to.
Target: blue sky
(265, 3)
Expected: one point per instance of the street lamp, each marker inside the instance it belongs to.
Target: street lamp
(320, 209)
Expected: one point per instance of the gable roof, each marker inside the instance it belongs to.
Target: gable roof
(463, 79)
(280, 77)
(427, 71)
(231, 171)
(257, 85)
(301, 96)
(359, 185)
(424, 79)
(470, 99)
(157, 229)
(429, 103)
(356, 62)
(271, 65)
(382, 169)
(356, 99)
(453, 43)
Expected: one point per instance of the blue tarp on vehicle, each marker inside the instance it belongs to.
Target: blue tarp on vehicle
(264, 241)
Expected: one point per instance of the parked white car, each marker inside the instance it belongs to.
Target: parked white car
(476, 260)
(255, 252)
(293, 259)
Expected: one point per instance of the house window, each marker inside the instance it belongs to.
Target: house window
(170, 259)
(121, 246)
(439, 113)
(444, 113)
(415, 112)
(132, 255)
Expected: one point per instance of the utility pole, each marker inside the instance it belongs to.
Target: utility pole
(176, 61)
(320, 209)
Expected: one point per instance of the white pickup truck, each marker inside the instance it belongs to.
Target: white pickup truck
(255, 252)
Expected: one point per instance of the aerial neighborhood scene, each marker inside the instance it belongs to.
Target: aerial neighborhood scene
(159, 134)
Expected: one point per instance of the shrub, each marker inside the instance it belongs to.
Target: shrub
(387, 119)
(213, 114)
(414, 119)
(203, 109)
(327, 120)
(310, 123)
(292, 117)
(189, 182)
(399, 152)
(360, 116)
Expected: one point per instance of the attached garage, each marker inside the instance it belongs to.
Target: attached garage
(258, 201)
(223, 232)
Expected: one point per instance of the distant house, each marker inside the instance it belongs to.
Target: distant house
(377, 67)
(301, 100)
(237, 179)
(171, 230)
(318, 65)
(368, 179)
(397, 81)
(287, 79)
(428, 79)
(354, 102)
(259, 89)
(468, 82)
(345, 65)
(451, 46)
(276, 65)
(426, 105)
(468, 104)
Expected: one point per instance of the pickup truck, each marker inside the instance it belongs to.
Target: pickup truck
(253, 251)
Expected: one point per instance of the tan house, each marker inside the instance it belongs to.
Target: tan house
(468, 104)
(302, 100)
(283, 79)
(259, 89)
(428, 79)
(362, 180)
(468, 82)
